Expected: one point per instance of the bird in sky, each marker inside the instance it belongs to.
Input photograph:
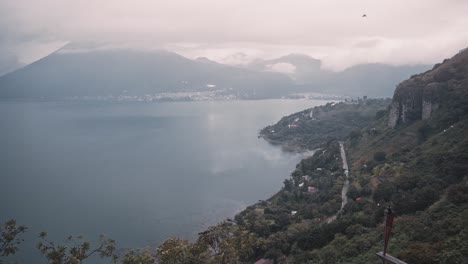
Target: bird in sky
(364, 15)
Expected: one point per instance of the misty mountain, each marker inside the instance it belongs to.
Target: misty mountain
(375, 80)
(114, 72)
(130, 72)
(302, 68)
(206, 60)
(9, 63)
(301, 62)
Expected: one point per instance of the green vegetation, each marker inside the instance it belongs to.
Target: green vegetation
(9, 239)
(75, 251)
(311, 128)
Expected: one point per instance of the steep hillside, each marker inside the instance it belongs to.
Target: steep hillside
(412, 159)
(442, 87)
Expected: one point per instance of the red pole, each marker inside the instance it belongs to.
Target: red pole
(389, 216)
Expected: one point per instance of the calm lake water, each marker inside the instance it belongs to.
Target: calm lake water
(136, 172)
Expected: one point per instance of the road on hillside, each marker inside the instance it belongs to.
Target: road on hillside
(344, 191)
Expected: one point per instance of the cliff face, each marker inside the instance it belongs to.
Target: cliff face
(418, 97)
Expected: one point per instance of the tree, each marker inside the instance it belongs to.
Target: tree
(353, 192)
(76, 252)
(423, 132)
(173, 250)
(421, 253)
(384, 192)
(8, 238)
(355, 134)
(458, 194)
(380, 114)
(179, 251)
(144, 256)
(380, 156)
(288, 184)
(216, 240)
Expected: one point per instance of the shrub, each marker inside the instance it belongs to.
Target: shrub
(380, 156)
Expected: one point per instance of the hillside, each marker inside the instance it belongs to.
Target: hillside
(408, 157)
(309, 129)
(413, 158)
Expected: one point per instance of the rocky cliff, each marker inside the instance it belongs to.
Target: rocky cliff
(418, 97)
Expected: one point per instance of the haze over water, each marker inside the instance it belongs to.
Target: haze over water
(137, 172)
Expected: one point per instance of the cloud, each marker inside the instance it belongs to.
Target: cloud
(237, 58)
(367, 43)
(332, 30)
(282, 67)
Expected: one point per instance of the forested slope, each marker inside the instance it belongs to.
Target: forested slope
(413, 156)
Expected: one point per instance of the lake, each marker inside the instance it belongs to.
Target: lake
(136, 172)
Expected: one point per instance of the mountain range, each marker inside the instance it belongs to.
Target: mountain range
(372, 79)
(114, 72)
(68, 73)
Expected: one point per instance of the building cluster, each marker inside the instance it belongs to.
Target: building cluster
(213, 95)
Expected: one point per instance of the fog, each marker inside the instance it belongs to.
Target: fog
(237, 32)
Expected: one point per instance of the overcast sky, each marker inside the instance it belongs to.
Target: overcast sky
(237, 31)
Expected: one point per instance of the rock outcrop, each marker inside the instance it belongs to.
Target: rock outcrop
(418, 97)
